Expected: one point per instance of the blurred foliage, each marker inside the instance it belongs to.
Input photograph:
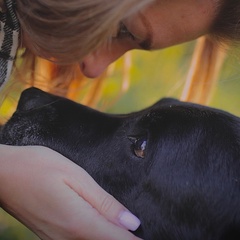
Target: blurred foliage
(227, 93)
(152, 76)
(11, 229)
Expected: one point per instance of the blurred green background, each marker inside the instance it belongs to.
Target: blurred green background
(152, 76)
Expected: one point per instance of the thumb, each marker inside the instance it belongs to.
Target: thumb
(85, 186)
(112, 210)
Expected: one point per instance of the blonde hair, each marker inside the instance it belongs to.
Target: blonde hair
(66, 31)
(210, 52)
(56, 35)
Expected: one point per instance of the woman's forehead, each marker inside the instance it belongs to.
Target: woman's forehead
(170, 22)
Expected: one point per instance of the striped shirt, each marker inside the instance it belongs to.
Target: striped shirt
(9, 38)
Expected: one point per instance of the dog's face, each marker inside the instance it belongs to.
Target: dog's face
(175, 165)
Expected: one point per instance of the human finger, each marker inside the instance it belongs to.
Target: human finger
(102, 201)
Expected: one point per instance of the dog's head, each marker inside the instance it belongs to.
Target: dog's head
(175, 165)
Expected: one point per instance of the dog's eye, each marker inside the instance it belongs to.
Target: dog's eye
(139, 145)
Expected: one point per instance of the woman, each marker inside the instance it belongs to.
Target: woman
(45, 191)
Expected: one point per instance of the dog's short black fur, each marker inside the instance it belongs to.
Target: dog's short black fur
(175, 165)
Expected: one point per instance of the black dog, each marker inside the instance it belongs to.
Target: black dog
(175, 165)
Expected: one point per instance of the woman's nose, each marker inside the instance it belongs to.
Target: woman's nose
(96, 62)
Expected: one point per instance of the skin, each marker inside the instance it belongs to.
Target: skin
(189, 20)
(60, 200)
(51, 196)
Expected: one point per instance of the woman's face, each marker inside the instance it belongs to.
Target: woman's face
(162, 24)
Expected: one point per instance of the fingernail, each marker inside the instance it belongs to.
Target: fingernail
(129, 221)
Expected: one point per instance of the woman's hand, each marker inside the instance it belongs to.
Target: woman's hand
(57, 199)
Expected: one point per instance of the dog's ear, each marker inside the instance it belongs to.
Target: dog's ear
(165, 102)
(33, 98)
(168, 101)
(233, 233)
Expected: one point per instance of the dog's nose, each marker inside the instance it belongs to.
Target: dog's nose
(33, 98)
